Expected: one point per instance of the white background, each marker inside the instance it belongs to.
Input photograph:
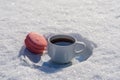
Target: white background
(97, 21)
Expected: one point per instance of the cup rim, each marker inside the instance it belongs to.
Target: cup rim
(64, 35)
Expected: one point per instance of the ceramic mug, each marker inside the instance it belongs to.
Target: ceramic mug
(62, 48)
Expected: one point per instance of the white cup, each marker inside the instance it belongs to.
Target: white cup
(63, 48)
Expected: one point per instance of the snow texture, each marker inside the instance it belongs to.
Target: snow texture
(95, 22)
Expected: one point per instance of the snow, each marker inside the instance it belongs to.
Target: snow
(97, 23)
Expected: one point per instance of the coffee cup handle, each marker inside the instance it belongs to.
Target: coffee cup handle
(77, 52)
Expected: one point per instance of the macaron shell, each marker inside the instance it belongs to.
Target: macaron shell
(33, 49)
(35, 43)
(37, 39)
(28, 42)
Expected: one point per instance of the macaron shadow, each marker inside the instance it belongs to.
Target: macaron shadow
(24, 52)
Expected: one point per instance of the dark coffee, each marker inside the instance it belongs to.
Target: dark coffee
(62, 41)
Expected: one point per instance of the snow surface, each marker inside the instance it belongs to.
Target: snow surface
(95, 22)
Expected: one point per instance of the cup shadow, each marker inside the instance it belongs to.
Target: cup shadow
(89, 47)
(50, 67)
